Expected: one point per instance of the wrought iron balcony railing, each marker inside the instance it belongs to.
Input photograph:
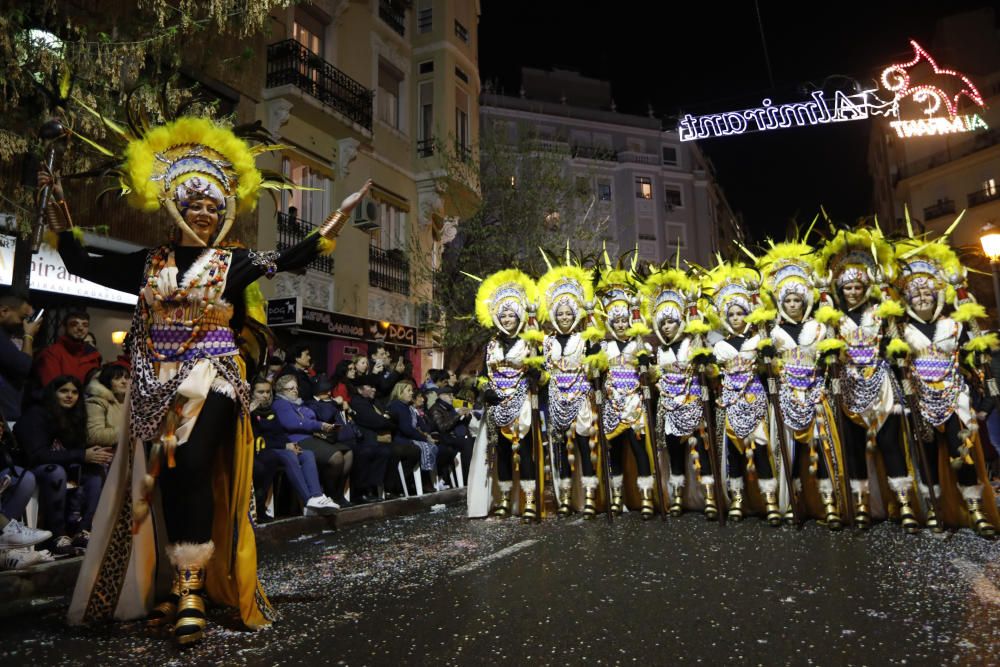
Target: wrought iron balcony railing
(293, 230)
(388, 270)
(425, 148)
(943, 207)
(594, 153)
(394, 15)
(291, 63)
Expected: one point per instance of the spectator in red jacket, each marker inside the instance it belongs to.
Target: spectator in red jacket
(70, 354)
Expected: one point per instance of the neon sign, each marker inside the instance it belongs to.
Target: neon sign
(896, 79)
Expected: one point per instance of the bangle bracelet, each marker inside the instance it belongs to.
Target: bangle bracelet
(28, 337)
(333, 224)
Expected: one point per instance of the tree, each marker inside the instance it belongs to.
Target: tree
(532, 197)
(56, 54)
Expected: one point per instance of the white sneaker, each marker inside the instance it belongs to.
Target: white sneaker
(16, 535)
(320, 505)
(19, 559)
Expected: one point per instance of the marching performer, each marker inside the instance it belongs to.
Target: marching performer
(503, 302)
(931, 279)
(188, 408)
(623, 414)
(801, 342)
(743, 399)
(855, 262)
(670, 306)
(565, 291)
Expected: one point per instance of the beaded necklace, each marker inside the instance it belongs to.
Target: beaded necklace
(210, 279)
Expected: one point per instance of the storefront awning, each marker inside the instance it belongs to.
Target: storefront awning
(289, 312)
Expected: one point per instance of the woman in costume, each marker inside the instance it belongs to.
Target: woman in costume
(855, 262)
(503, 302)
(743, 399)
(669, 301)
(565, 291)
(623, 414)
(931, 278)
(800, 342)
(189, 401)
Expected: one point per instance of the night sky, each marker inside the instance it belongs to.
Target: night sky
(708, 57)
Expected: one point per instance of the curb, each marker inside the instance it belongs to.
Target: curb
(21, 589)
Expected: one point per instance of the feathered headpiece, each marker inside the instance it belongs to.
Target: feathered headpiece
(734, 284)
(786, 269)
(930, 265)
(568, 285)
(670, 294)
(187, 159)
(509, 290)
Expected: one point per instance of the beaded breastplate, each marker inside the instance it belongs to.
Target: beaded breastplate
(189, 320)
(622, 388)
(680, 399)
(801, 388)
(743, 396)
(865, 371)
(507, 379)
(938, 384)
(568, 384)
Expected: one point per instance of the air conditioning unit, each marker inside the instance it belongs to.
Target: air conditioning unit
(366, 215)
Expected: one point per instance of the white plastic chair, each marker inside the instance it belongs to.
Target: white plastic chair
(31, 511)
(457, 479)
(418, 483)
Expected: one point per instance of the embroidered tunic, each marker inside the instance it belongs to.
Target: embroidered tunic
(940, 388)
(505, 372)
(679, 411)
(866, 379)
(623, 407)
(569, 388)
(801, 385)
(743, 396)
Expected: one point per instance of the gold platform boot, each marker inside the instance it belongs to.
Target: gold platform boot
(616, 494)
(973, 499)
(830, 513)
(676, 485)
(910, 524)
(502, 509)
(646, 489)
(736, 499)
(769, 489)
(932, 520)
(589, 497)
(565, 509)
(189, 562)
(862, 513)
(530, 512)
(711, 508)
(164, 614)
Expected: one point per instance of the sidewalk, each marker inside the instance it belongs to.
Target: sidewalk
(20, 589)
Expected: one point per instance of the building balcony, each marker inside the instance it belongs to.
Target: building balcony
(425, 148)
(290, 63)
(549, 146)
(980, 141)
(639, 158)
(294, 230)
(983, 196)
(942, 207)
(393, 14)
(594, 153)
(388, 270)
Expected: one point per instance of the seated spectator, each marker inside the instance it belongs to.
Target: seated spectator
(370, 458)
(402, 412)
(53, 440)
(70, 354)
(377, 428)
(106, 405)
(334, 459)
(343, 382)
(16, 488)
(451, 426)
(361, 366)
(446, 450)
(275, 364)
(276, 451)
(15, 360)
(298, 363)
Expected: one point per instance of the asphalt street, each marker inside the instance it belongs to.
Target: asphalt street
(439, 589)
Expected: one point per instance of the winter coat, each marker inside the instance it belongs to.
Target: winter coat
(66, 357)
(104, 415)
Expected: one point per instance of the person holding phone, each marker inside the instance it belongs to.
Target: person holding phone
(18, 323)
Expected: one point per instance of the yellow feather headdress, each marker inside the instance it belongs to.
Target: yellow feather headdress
(509, 289)
(570, 285)
(669, 292)
(734, 283)
(786, 268)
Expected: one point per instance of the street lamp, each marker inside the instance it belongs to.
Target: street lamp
(991, 248)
